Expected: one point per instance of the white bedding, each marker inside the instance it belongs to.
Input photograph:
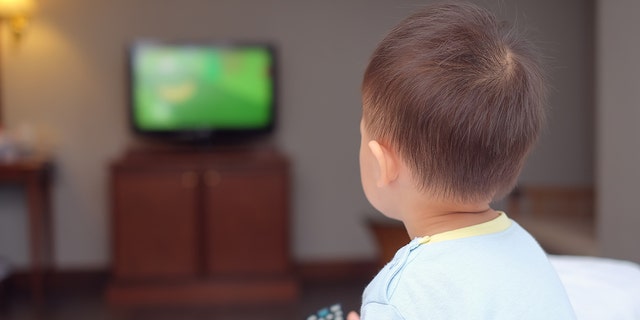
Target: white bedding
(599, 288)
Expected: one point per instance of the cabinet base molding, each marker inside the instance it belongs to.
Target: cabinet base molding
(209, 292)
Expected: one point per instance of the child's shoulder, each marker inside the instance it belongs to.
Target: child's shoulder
(474, 271)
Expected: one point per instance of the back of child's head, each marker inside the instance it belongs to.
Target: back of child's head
(459, 96)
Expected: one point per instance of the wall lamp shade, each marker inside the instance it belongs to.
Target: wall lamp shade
(17, 12)
(12, 8)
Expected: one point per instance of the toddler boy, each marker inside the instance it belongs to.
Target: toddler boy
(453, 102)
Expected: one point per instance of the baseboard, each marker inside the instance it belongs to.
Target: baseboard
(93, 279)
(60, 281)
(337, 270)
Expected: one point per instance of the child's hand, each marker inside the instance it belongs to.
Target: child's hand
(353, 316)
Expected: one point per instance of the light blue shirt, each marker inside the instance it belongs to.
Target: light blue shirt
(500, 275)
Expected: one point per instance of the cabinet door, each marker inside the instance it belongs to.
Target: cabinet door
(155, 224)
(246, 217)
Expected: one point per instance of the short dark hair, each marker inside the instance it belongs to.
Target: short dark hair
(460, 96)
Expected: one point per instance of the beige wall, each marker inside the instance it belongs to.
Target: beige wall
(618, 135)
(66, 78)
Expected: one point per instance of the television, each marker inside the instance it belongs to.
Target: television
(202, 92)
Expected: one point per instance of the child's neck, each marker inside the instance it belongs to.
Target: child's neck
(427, 219)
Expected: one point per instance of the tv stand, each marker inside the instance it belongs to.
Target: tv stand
(200, 227)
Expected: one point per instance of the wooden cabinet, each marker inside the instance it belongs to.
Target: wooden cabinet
(243, 233)
(155, 223)
(200, 227)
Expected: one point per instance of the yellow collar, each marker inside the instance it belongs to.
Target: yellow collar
(501, 223)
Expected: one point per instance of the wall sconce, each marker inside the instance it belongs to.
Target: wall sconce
(16, 13)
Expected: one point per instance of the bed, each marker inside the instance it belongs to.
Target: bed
(600, 288)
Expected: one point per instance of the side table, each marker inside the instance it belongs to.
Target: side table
(34, 174)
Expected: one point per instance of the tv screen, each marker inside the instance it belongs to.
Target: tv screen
(199, 90)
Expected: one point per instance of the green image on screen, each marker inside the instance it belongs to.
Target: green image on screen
(197, 87)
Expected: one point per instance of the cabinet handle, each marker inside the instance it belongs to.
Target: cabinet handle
(212, 178)
(189, 179)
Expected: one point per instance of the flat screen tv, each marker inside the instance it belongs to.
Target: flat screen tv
(202, 92)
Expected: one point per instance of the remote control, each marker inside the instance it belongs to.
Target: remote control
(334, 312)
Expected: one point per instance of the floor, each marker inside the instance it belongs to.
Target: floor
(90, 306)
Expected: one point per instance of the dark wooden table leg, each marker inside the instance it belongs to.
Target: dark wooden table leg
(37, 204)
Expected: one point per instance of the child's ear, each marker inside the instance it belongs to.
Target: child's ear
(387, 163)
